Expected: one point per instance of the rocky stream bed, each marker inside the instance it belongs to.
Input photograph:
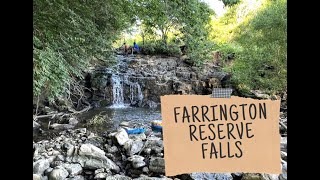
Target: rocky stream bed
(78, 153)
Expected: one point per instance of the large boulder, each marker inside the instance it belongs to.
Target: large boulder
(40, 166)
(137, 161)
(58, 173)
(73, 169)
(61, 126)
(91, 157)
(133, 147)
(121, 136)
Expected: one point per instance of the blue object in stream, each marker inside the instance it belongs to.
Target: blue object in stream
(135, 131)
(156, 128)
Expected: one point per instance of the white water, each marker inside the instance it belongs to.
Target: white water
(117, 91)
(135, 93)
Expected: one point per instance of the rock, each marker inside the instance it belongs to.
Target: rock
(100, 176)
(133, 147)
(67, 146)
(150, 104)
(91, 150)
(155, 144)
(137, 161)
(118, 177)
(76, 178)
(81, 130)
(283, 144)
(251, 176)
(147, 151)
(91, 136)
(48, 171)
(58, 173)
(40, 166)
(216, 176)
(97, 171)
(237, 175)
(283, 175)
(159, 155)
(95, 140)
(92, 157)
(269, 176)
(36, 177)
(152, 178)
(145, 170)
(124, 124)
(61, 126)
(141, 136)
(283, 155)
(260, 95)
(36, 125)
(60, 158)
(70, 151)
(156, 165)
(122, 136)
(112, 149)
(56, 153)
(73, 169)
(55, 163)
(73, 121)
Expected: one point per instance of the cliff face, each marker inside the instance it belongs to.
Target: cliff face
(139, 80)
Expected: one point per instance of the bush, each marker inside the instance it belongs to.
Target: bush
(259, 43)
(158, 48)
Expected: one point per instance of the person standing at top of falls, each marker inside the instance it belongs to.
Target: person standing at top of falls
(126, 48)
(136, 47)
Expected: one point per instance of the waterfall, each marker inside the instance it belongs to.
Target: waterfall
(117, 90)
(136, 95)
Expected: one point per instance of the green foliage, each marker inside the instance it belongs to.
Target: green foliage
(97, 120)
(68, 34)
(259, 42)
(194, 17)
(230, 2)
(186, 20)
(158, 47)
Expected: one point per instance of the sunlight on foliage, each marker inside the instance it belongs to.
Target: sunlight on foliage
(257, 34)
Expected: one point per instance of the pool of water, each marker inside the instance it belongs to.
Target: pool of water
(136, 116)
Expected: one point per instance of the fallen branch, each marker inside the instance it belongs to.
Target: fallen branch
(63, 114)
(48, 115)
(83, 110)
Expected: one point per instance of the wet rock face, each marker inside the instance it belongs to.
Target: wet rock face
(145, 78)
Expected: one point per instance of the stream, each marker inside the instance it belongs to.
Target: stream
(119, 111)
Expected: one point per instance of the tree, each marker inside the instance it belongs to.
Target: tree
(67, 34)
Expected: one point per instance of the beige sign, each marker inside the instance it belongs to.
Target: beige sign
(204, 134)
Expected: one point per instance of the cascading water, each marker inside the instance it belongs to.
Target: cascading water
(117, 90)
(136, 95)
(121, 82)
